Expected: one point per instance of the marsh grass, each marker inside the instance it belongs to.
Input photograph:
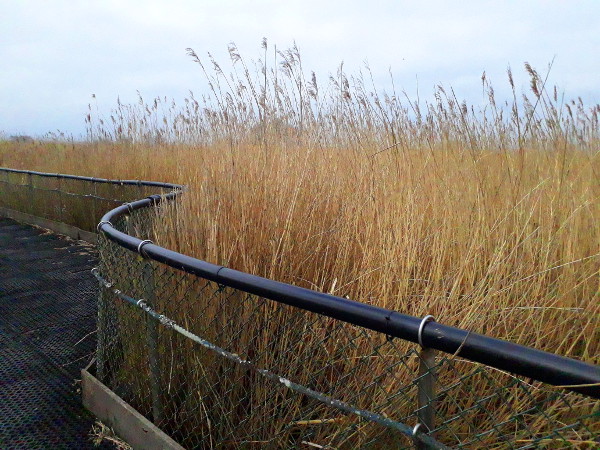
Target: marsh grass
(488, 218)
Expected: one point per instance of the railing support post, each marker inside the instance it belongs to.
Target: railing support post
(426, 388)
(101, 343)
(60, 200)
(95, 214)
(31, 193)
(152, 341)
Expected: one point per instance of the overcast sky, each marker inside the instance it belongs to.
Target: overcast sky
(55, 54)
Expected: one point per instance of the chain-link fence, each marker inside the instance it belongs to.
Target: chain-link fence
(76, 201)
(217, 358)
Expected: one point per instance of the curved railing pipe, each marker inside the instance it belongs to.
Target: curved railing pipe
(157, 184)
(539, 365)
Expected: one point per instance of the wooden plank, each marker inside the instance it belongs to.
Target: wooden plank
(126, 422)
(57, 227)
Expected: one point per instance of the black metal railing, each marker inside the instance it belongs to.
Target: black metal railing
(74, 200)
(217, 357)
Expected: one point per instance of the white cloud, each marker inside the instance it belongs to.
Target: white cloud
(56, 54)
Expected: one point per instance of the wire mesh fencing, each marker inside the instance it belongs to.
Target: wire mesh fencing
(76, 201)
(215, 366)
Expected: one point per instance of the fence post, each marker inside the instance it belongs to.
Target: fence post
(6, 189)
(96, 216)
(31, 201)
(426, 387)
(152, 340)
(60, 200)
(101, 343)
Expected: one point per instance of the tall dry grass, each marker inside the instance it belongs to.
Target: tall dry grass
(488, 218)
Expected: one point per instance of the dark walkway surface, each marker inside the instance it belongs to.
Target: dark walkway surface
(47, 323)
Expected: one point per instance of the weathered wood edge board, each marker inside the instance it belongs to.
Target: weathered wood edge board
(57, 227)
(129, 424)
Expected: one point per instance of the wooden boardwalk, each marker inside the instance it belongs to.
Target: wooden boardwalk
(47, 334)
